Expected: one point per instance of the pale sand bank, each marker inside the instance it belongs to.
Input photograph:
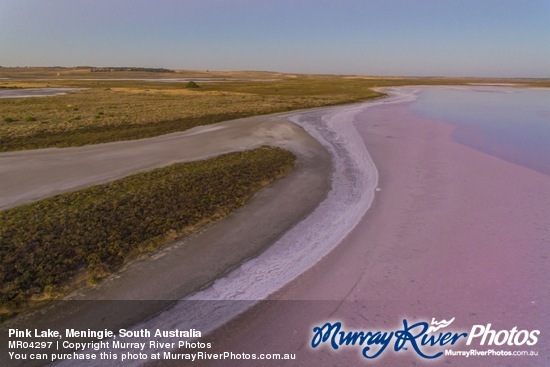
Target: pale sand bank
(146, 287)
(453, 233)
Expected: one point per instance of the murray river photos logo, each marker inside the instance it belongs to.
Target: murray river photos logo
(426, 340)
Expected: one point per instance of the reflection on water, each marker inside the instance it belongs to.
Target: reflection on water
(510, 123)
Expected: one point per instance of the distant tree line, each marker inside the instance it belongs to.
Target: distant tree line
(112, 69)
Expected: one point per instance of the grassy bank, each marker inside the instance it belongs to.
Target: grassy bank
(127, 105)
(47, 246)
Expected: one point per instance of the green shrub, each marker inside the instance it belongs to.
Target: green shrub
(192, 85)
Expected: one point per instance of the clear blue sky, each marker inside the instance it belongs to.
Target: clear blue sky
(378, 37)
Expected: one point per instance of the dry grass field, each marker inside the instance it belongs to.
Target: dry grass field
(133, 104)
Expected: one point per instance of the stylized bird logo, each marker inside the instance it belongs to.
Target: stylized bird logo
(439, 325)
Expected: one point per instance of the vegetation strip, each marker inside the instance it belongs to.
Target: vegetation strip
(113, 110)
(88, 234)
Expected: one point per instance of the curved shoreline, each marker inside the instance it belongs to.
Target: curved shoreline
(333, 126)
(219, 312)
(145, 288)
(453, 232)
(354, 180)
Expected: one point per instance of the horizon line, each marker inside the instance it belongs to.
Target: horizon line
(266, 71)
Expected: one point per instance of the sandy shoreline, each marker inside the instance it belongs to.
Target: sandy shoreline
(352, 188)
(453, 233)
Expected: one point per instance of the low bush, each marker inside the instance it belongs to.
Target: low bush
(192, 85)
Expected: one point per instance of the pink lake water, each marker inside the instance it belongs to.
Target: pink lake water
(507, 122)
